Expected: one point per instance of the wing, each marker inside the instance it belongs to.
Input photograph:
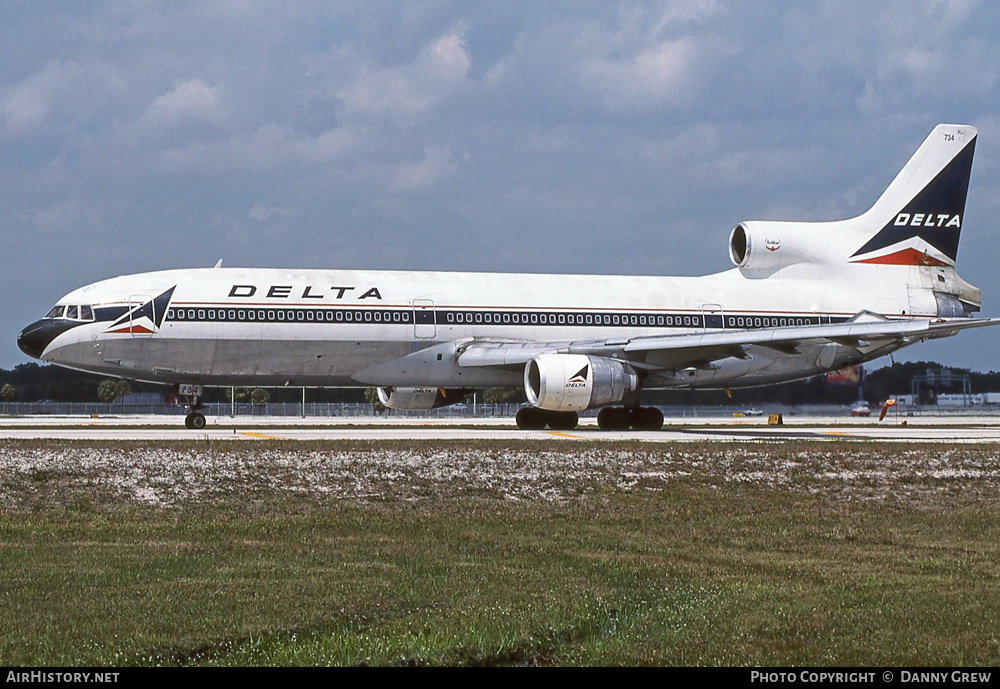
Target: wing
(668, 360)
(674, 352)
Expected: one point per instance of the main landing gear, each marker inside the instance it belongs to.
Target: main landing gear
(192, 393)
(609, 419)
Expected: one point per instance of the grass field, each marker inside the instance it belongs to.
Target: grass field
(244, 553)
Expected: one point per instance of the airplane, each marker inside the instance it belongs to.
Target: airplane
(803, 298)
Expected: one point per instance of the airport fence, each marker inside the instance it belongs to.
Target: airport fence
(246, 409)
(458, 411)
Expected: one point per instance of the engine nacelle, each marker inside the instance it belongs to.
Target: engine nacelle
(760, 248)
(574, 382)
(419, 399)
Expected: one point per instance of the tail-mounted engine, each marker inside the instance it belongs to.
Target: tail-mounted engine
(574, 382)
(761, 248)
(419, 399)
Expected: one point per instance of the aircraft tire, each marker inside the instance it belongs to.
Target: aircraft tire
(195, 421)
(530, 419)
(647, 419)
(614, 419)
(563, 420)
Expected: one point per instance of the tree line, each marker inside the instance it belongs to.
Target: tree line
(34, 383)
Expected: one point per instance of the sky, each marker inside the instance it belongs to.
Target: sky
(575, 137)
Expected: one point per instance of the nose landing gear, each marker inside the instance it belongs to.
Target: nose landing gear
(192, 393)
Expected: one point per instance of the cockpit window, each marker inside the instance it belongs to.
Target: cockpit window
(74, 312)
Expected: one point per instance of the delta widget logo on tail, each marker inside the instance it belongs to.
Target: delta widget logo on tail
(144, 319)
(925, 232)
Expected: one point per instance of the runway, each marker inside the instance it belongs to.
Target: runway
(949, 429)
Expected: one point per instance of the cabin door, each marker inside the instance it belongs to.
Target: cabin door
(711, 317)
(424, 322)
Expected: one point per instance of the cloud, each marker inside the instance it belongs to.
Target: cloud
(630, 61)
(408, 90)
(445, 60)
(64, 213)
(28, 103)
(263, 214)
(191, 100)
(61, 91)
(412, 175)
(267, 148)
(658, 76)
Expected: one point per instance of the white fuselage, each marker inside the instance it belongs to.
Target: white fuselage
(233, 326)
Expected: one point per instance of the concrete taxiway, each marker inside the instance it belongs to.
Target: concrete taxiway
(948, 429)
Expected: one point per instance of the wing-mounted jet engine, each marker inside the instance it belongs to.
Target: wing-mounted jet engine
(574, 382)
(419, 399)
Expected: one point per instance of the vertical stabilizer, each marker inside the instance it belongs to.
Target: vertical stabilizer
(918, 219)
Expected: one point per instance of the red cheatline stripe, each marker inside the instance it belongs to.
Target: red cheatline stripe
(904, 257)
(133, 329)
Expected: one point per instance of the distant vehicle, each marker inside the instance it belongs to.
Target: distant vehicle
(753, 411)
(861, 410)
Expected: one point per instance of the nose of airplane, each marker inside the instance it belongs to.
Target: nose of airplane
(36, 337)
